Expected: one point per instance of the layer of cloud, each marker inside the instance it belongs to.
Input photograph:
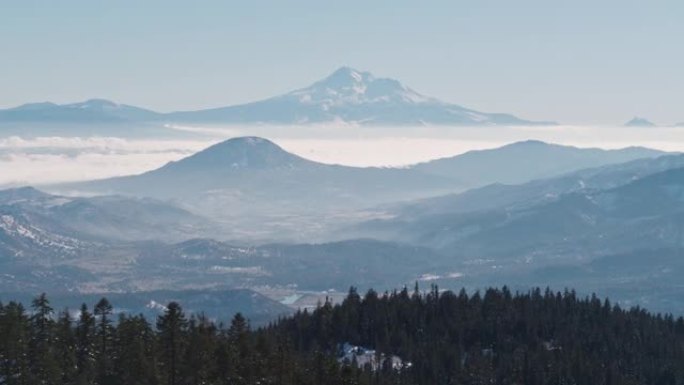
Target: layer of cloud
(46, 160)
(58, 159)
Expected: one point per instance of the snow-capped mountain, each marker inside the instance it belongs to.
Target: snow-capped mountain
(347, 86)
(346, 96)
(352, 96)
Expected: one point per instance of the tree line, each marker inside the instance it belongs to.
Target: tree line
(490, 337)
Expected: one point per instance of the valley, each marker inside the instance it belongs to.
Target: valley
(245, 214)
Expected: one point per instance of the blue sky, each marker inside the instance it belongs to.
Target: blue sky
(573, 61)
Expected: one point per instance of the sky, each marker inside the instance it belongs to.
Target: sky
(576, 62)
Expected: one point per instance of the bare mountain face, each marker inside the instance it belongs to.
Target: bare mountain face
(347, 95)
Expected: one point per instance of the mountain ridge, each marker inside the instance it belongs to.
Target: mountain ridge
(265, 191)
(94, 219)
(347, 95)
(523, 161)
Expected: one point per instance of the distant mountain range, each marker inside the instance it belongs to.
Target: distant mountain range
(250, 179)
(48, 243)
(352, 96)
(580, 215)
(525, 161)
(510, 196)
(617, 230)
(90, 111)
(643, 122)
(301, 228)
(53, 221)
(346, 96)
(95, 117)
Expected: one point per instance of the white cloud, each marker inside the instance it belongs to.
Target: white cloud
(58, 159)
(46, 160)
(380, 151)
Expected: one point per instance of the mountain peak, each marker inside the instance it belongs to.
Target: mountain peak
(95, 104)
(34, 106)
(346, 95)
(88, 111)
(639, 122)
(348, 75)
(18, 194)
(242, 153)
(529, 143)
(347, 87)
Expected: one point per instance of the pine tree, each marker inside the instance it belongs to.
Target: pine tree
(103, 312)
(85, 347)
(534, 338)
(172, 328)
(44, 367)
(135, 351)
(238, 340)
(65, 348)
(201, 348)
(15, 330)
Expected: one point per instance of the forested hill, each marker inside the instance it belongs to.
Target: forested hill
(494, 337)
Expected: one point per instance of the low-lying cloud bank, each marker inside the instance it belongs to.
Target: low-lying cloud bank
(57, 159)
(46, 160)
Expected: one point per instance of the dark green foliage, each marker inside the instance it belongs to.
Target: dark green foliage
(136, 360)
(15, 331)
(65, 349)
(42, 343)
(494, 337)
(172, 327)
(104, 333)
(85, 347)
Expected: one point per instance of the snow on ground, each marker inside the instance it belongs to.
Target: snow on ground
(351, 354)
